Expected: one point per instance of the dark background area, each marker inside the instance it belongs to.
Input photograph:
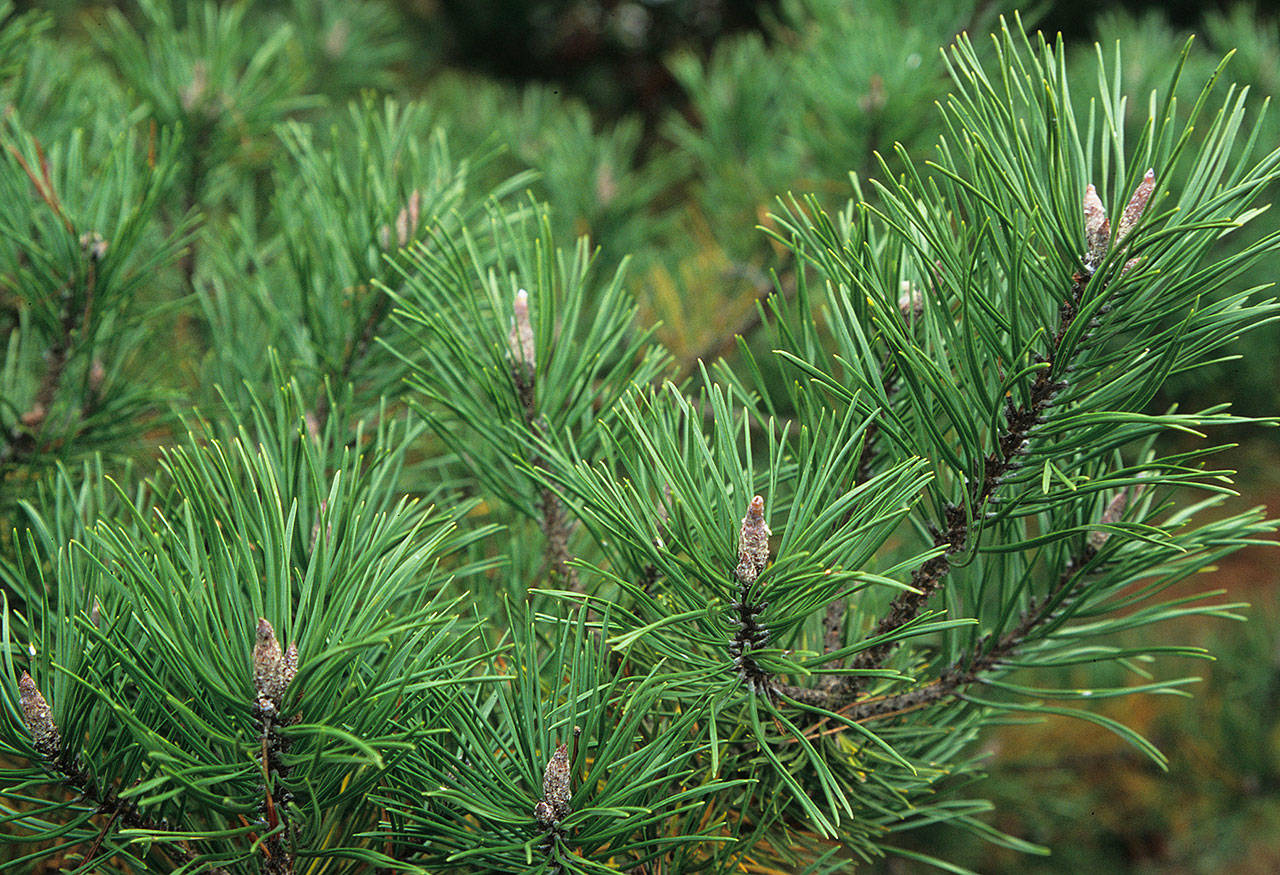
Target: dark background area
(612, 53)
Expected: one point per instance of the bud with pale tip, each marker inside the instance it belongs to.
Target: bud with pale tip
(38, 717)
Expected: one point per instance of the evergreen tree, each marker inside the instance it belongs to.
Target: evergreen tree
(452, 569)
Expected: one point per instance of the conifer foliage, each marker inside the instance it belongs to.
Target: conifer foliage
(452, 570)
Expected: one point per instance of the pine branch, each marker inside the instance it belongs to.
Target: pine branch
(357, 349)
(23, 437)
(1020, 420)
(407, 227)
(952, 682)
(61, 759)
(986, 656)
(273, 673)
(753, 556)
(911, 306)
(426, 733)
(556, 523)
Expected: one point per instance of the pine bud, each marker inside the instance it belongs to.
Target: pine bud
(1110, 515)
(272, 671)
(35, 416)
(544, 815)
(555, 789)
(753, 543)
(266, 662)
(289, 666)
(520, 340)
(555, 779)
(335, 41)
(97, 375)
(1137, 203)
(415, 209)
(1097, 228)
(95, 248)
(910, 302)
(38, 717)
(402, 227)
(192, 95)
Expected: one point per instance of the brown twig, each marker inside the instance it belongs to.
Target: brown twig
(276, 847)
(43, 182)
(24, 436)
(556, 524)
(107, 802)
(273, 672)
(987, 655)
(102, 834)
(1020, 420)
(357, 349)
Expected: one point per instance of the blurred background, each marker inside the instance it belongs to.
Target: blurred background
(666, 129)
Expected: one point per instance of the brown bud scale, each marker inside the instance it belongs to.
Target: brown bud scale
(753, 543)
(555, 782)
(520, 342)
(1097, 229)
(38, 717)
(1110, 515)
(272, 670)
(1137, 204)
